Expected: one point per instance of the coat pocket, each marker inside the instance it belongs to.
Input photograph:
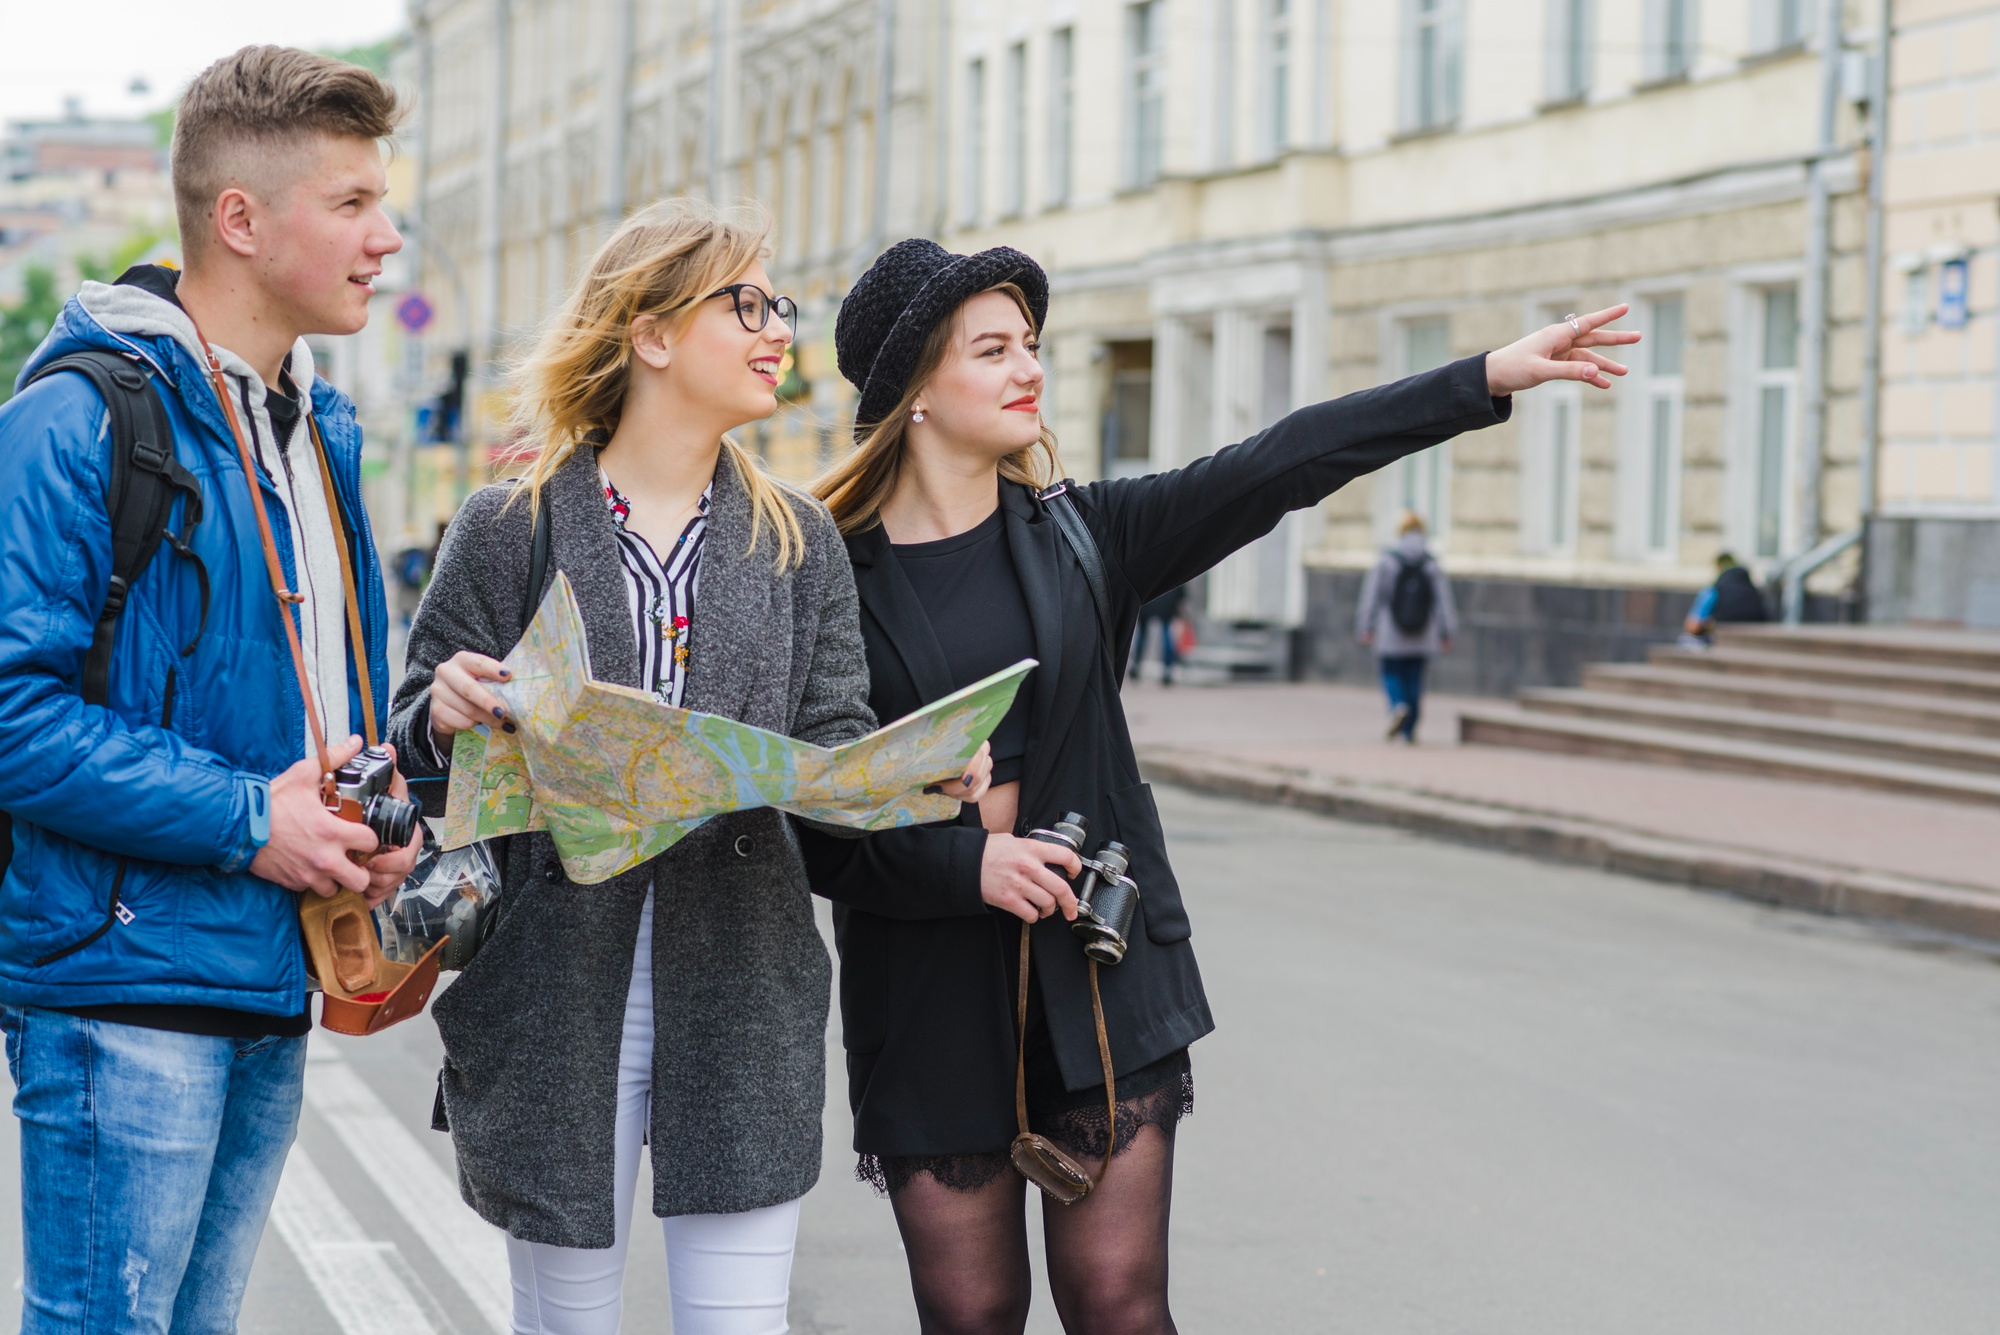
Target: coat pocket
(1138, 822)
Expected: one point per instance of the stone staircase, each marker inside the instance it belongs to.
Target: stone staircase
(1896, 710)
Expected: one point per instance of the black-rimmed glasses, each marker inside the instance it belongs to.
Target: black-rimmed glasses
(754, 306)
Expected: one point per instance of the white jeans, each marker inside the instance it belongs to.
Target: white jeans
(729, 1274)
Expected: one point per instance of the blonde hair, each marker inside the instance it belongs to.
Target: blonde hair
(856, 488)
(1411, 522)
(663, 261)
(245, 116)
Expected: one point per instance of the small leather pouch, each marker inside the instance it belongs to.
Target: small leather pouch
(364, 992)
(1040, 1160)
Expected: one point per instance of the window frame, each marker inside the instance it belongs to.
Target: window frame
(1572, 51)
(1422, 481)
(1277, 60)
(1661, 462)
(972, 203)
(1443, 74)
(1062, 114)
(1145, 92)
(1670, 47)
(1771, 466)
(1013, 130)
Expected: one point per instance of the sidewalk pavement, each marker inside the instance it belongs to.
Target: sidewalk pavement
(1927, 864)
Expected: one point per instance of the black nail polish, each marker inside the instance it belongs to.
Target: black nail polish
(507, 727)
(931, 788)
(498, 712)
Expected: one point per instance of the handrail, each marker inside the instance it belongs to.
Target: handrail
(1792, 574)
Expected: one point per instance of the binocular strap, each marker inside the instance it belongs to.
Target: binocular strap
(1074, 1184)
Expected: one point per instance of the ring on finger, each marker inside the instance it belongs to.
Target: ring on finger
(1575, 329)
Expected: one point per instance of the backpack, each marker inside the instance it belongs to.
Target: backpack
(145, 478)
(1737, 599)
(1412, 598)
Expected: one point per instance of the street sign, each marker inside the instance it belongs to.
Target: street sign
(414, 312)
(1951, 312)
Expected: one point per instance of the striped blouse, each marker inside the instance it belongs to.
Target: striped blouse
(661, 594)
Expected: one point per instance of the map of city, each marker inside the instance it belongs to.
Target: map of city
(616, 777)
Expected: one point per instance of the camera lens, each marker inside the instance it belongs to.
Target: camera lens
(393, 820)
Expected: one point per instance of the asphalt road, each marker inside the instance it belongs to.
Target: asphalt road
(1452, 1091)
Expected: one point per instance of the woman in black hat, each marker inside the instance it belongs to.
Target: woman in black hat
(968, 560)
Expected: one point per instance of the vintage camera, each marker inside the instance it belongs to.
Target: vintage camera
(361, 793)
(1105, 897)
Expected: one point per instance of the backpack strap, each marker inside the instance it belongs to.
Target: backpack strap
(1063, 510)
(145, 478)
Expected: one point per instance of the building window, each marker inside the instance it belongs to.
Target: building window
(1777, 386)
(1551, 463)
(1777, 24)
(1062, 111)
(975, 140)
(1422, 480)
(1433, 63)
(1013, 123)
(1670, 39)
(1145, 88)
(1572, 39)
(1128, 412)
(1275, 87)
(1666, 340)
(1219, 150)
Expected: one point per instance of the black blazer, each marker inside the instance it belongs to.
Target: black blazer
(926, 1013)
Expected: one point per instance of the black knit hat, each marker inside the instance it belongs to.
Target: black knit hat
(892, 308)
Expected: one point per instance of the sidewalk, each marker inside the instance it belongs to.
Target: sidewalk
(1834, 850)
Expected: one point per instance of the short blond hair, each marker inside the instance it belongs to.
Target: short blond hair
(240, 114)
(1411, 522)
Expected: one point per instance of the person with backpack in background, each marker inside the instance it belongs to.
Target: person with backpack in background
(1733, 597)
(157, 693)
(1406, 615)
(1164, 611)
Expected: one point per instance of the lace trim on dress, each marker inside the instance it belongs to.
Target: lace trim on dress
(1081, 1131)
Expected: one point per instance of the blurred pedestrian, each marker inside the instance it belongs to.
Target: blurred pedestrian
(1733, 597)
(1165, 612)
(1406, 615)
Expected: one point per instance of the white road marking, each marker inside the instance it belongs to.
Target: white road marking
(470, 1249)
(356, 1277)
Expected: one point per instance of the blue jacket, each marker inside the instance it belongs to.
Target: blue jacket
(89, 786)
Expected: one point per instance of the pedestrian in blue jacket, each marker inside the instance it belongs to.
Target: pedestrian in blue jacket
(152, 985)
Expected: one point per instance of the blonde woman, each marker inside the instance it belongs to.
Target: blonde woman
(685, 1001)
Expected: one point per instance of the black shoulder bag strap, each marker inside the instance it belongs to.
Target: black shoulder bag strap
(145, 478)
(538, 563)
(1063, 510)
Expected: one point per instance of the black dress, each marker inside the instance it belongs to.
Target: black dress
(972, 598)
(926, 979)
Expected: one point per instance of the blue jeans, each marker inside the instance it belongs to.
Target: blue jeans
(148, 1164)
(1169, 652)
(1403, 683)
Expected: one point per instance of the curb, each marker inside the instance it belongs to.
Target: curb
(1833, 891)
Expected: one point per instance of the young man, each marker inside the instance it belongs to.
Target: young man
(152, 982)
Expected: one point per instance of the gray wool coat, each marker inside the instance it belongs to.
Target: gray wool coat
(740, 975)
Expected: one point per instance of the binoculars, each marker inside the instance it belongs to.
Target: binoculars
(1105, 896)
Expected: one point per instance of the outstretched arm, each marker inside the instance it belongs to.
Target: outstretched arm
(1163, 530)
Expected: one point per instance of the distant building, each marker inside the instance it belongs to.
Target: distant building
(1934, 542)
(77, 191)
(1248, 205)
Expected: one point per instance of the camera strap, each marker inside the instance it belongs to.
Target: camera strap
(358, 645)
(1071, 1184)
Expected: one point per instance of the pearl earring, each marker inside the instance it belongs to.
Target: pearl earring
(917, 416)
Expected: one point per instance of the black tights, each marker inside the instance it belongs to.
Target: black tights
(1107, 1254)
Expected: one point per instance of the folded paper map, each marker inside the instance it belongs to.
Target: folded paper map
(616, 777)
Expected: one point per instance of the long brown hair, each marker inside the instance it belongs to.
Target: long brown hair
(856, 488)
(663, 261)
